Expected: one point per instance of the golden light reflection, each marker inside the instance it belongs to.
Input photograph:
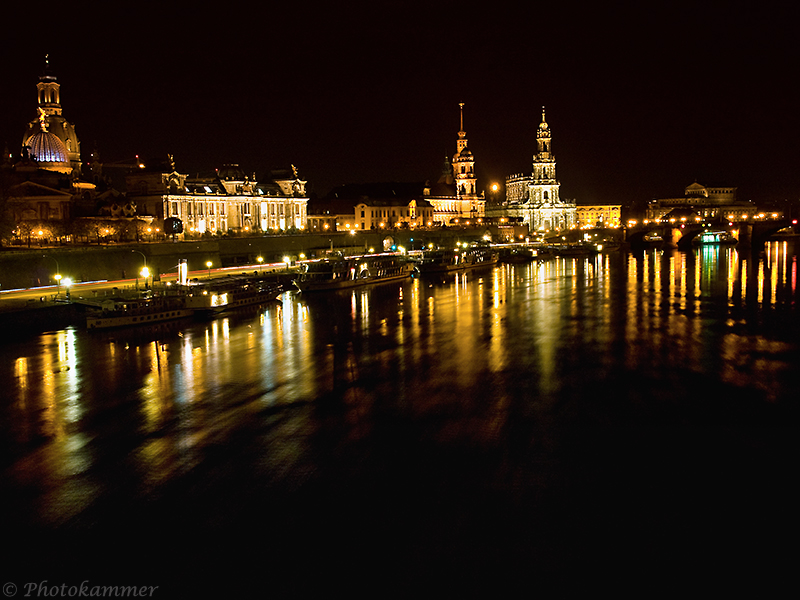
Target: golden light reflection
(21, 376)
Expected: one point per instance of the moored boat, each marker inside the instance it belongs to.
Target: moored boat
(578, 249)
(446, 261)
(126, 312)
(710, 238)
(230, 293)
(353, 271)
(516, 255)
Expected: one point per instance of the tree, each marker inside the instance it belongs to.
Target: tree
(7, 224)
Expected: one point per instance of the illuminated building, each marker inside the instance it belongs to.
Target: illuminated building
(365, 207)
(708, 202)
(535, 197)
(455, 194)
(228, 200)
(598, 215)
(46, 188)
(50, 138)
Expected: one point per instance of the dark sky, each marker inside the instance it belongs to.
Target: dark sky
(642, 99)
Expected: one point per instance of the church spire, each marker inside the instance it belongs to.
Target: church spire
(464, 162)
(543, 138)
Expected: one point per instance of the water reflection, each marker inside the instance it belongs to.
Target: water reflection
(463, 327)
(507, 382)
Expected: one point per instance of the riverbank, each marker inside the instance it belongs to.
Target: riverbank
(23, 268)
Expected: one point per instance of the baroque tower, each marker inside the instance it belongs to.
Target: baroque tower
(535, 197)
(50, 120)
(464, 163)
(543, 187)
(455, 195)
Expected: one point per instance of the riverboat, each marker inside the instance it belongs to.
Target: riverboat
(126, 312)
(517, 255)
(447, 261)
(352, 271)
(230, 293)
(578, 249)
(715, 238)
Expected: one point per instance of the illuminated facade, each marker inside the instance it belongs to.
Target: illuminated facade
(230, 200)
(455, 195)
(50, 138)
(598, 215)
(708, 202)
(45, 185)
(366, 207)
(535, 197)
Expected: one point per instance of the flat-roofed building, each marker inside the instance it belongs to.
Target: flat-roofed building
(709, 202)
(598, 215)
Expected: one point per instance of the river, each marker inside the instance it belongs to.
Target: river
(607, 422)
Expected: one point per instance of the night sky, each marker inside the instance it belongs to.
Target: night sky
(642, 100)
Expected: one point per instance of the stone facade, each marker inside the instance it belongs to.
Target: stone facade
(455, 195)
(535, 197)
(708, 202)
(230, 200)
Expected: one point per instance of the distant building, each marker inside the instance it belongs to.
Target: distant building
(455, 194)
(369, 207)
(228, 200)
(50, 139)
(535, 197)
(598, 215)
(708, 202)
(45, 188)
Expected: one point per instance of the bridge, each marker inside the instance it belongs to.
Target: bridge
(751, 233)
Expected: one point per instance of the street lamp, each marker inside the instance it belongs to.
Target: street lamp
(57, 277)
(288, 261)
(144, 258)
(67, 282)
(145, 273)
(260, 260)
(208, 266)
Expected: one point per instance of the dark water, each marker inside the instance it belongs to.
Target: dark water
(624, 422)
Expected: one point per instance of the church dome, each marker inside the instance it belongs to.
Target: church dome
(46, 147)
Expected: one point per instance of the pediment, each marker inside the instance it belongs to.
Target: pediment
(29, 189)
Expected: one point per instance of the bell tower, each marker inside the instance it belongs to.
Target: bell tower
(464, 163)
(544, 185)
(48, 91)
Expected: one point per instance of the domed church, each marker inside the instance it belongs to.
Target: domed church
(51, 139)
(46, 187)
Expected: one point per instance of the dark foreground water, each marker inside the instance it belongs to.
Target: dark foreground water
(625, 423)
